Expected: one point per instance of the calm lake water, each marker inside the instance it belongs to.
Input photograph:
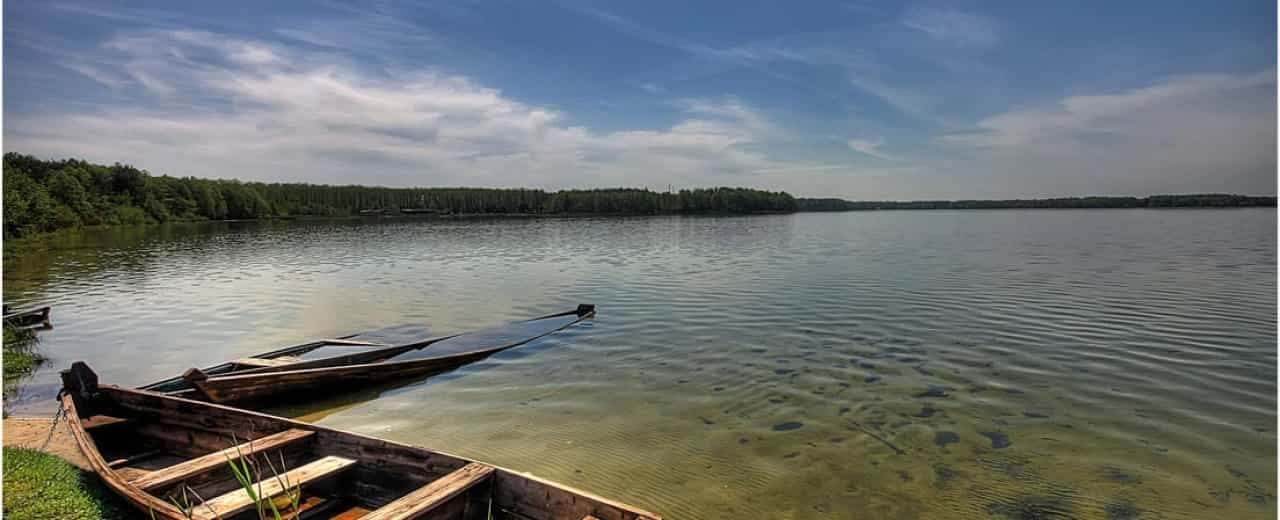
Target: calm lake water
(1112, 364)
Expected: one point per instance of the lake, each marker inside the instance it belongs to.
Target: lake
(1115, 364)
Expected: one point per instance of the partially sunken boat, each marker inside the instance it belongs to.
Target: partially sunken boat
(26, 318)
(325, 363)
(172, 458)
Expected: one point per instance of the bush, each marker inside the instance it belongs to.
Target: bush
(128, 214)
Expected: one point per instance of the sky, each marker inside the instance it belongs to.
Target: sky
(855, 99)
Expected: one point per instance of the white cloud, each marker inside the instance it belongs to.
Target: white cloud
(1103, 112)
(279, 118)
(953, 26)
(871, 148)
(1187, 134)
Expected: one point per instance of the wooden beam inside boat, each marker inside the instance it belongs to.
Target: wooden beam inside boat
(427, 498)
(200, 465)
(352, 342)
(269, 487)
(266, 362)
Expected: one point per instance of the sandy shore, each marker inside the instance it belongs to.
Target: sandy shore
(31, 433)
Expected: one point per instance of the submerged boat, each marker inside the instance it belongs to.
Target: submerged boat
(26, 318)
(322, 364)
(172, 458)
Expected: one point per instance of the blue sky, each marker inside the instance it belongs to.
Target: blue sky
(857, 99)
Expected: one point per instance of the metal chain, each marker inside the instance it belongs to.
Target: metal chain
(57, 417)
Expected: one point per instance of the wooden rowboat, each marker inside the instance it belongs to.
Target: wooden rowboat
(171, 458)
(322, 364)
(26, 318)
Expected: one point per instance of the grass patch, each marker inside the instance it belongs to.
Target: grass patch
(20, 356)
(39, 485)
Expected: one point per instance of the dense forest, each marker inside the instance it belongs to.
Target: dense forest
(44, 195)
(1214, 200)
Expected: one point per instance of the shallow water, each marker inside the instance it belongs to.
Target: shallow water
(974, 364)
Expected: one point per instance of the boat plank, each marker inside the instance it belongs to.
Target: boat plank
(199, 465)
(352, 342)
(270, 487)
(130, 473)
(265, 362)
(426, 498)
(102, 421)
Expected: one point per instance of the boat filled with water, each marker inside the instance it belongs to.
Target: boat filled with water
(27, 318)
(353, 362)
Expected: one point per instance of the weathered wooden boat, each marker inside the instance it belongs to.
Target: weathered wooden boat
(171, 458)
(27, 317)
(321, 364)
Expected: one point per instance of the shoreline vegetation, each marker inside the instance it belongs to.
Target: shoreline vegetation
(48, 195)
(42, 196)
(21, 357)
(20, 354)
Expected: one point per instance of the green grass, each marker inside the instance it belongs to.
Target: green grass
(20, 356)
(41, 486)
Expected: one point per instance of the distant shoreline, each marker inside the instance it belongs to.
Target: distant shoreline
(1259, 206)
(1200, 200)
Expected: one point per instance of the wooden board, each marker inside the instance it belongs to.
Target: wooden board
(199, 465)
(239, 500)
(259, 362)
(433, 495)
(102, 421)
(352, 342)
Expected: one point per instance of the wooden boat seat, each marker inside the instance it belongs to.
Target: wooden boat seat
(263, 362)
(352, 342)
(422, 500)
(200, 465)
(102, 421)
(269, 487)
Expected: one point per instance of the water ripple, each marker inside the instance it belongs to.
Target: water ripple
(1096, 364)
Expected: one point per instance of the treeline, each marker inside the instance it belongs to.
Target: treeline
(1208, 200)
(45, 195)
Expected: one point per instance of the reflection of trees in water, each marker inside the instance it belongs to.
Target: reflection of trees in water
(32, 264)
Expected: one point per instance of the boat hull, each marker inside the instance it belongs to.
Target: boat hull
(236, 381)
(382, 473)
(249, 387)
(27, 318)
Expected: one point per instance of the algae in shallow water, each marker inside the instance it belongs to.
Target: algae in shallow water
(20, 356)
